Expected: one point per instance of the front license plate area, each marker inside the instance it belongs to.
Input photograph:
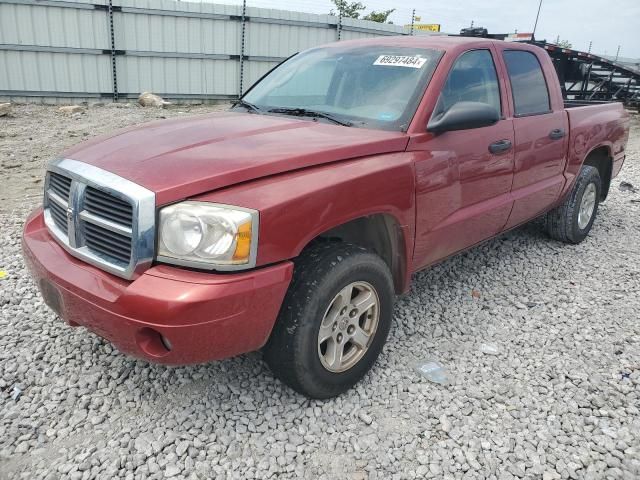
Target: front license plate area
(51, 296)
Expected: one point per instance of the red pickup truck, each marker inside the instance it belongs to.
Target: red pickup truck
(290, 222)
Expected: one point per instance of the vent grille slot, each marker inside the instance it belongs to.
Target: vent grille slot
(106, 206)
(59, 216)
(105, 242)
(61, 185)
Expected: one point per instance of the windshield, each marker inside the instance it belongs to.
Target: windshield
(365, 86)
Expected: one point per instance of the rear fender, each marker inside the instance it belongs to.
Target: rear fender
(596, 128)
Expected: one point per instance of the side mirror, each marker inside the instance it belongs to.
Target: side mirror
(462, 116)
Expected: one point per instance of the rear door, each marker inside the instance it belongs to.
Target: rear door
(463, 178)
(541, 129)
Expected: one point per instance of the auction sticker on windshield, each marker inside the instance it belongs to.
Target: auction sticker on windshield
(400, 61)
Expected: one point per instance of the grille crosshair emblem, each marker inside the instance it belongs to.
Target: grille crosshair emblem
(69, 213)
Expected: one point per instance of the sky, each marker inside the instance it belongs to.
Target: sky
(605, 23)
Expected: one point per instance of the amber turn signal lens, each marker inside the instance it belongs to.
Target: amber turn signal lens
(243, 245)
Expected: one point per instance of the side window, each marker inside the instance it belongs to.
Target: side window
(530, 93)
(472, 78)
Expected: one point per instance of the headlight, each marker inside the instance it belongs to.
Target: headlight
(208, 235)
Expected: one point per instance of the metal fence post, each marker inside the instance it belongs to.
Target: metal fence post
(114, 72)
(242, 45)
(339, 24)
(413, 16)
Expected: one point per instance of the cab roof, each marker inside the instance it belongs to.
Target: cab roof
(439, 42)
(449, 44)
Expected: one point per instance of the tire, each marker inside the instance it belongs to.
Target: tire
(565, 223)
(322, 276)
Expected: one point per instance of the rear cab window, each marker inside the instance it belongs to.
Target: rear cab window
(528, 85)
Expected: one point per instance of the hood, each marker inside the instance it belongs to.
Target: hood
(183, 157)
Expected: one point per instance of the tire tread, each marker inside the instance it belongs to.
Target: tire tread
(559, 222)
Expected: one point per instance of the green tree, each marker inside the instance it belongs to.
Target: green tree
(346, 9)
(380, 17)
(565, 44)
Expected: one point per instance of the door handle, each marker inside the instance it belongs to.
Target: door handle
(500, 146)
(556, 134)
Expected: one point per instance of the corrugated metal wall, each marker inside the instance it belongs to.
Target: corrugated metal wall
(52, 48)
(83, 49)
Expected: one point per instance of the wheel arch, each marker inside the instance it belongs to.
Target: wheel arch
(600, 158)
(380, 233)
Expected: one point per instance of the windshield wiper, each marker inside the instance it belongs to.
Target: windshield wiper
(303, 112)
(249, 106)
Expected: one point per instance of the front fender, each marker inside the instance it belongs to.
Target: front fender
(298, 206)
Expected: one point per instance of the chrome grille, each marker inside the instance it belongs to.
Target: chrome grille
(100, 217)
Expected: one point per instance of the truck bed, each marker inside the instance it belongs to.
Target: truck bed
(602, 126)
(586, 103)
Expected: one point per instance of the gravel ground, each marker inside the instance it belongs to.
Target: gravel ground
(541, 342)
(36, 133)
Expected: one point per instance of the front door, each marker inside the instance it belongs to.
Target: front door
(463, 178)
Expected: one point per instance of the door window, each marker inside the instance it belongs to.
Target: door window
(529, 88)
(472, 78)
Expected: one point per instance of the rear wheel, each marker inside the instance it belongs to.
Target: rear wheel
(572, 220)
(334, 320)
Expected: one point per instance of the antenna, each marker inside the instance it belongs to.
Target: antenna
(535, 25)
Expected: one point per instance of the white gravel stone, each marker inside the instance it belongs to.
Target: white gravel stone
(490, 349)
(561, 400)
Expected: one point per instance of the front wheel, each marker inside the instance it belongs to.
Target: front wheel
(334, 320)
(571, 221)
